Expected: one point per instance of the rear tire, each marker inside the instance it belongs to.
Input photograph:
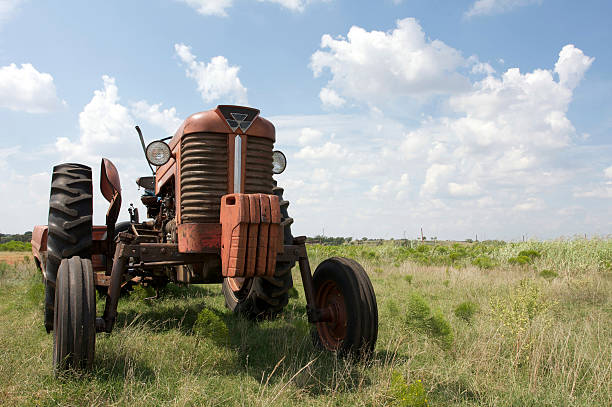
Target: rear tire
(74, 335)
(70, 224)
(263, 297)
(342, 286)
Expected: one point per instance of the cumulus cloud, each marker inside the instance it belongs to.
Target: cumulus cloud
(165, 119)
(327, 151)
(26, 89)
(309, 136)
(104, 123)
(330, 98)
(395, 188)
(490, 7)
(373, 66)
(209, 7)
(572, 65)
(504, 133)
(107, 130)
(215, 79)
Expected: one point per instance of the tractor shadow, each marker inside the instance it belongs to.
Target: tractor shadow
(281, 351)
(272, 352)
(177, 308)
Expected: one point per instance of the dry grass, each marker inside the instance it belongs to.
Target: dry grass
(533, 341)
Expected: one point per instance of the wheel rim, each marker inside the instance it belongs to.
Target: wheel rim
(240, 286)
(330, 299)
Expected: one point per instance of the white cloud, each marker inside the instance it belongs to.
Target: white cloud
(7, 9)
(460, 190)
(375, 66)
(490, 7)
(209, 7)
(530, 204)
(166, 118)
(215, 79)
(608, 172)
(482, 68)
(107, 130)
(293, 5)
(327, 151)
(396, 189)
(572, 65)
(330, 98)
(309, 135)
(26, 89)
(219, 7)
(104, 124)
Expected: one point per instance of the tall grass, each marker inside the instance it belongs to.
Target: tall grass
(528, 340)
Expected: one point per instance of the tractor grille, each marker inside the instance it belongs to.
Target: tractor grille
(258, 177)
(203, 176)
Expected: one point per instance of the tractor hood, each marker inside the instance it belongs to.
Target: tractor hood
(226, 119)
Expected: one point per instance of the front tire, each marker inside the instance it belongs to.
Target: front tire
(70, 224)
(263, 297)
(344, 290)
(74, 335)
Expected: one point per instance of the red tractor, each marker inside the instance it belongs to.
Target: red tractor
(214, 215)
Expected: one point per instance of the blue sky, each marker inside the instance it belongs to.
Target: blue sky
(462, 117)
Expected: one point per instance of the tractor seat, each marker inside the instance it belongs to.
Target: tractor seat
(146, 183)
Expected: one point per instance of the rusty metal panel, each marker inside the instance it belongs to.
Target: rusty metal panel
(203, 176)
(264, 230)
(249, 234)
(258, 166)
(254, 214)
(198, 237)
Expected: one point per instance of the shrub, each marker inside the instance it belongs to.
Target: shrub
(548, 274)
(419, 317)
(466, 310)
(483, 262)
(15, 246)
(209, 325)
(406, 395)
(517, 310)
(408, 278)
(519, 260)
(531, 254)
(417, 311)
(440, 329)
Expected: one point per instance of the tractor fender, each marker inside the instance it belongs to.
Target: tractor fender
(110, 185)
(39, 245)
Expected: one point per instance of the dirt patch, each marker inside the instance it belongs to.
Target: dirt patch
(15, 257)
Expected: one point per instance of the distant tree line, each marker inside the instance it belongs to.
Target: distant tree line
(328, 240)
(25, 237)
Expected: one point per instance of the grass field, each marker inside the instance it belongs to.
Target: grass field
(526, 324)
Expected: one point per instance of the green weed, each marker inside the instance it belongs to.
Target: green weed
(420, 317)
(209, 325)
(466, 310)
(407, 395)
(548, 274)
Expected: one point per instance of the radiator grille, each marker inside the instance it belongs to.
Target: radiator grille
(203, 176)
(258, 177)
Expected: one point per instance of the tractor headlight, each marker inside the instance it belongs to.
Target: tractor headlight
(158, 153)
(279, 162)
